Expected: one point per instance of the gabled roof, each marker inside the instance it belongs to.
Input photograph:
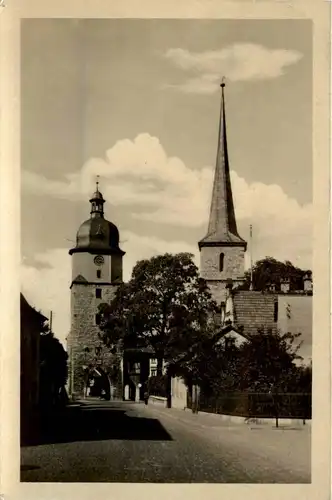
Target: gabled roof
(27, 311)
(228, 329)
(80, 279)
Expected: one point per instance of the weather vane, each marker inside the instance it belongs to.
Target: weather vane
(223, 82)
(97, 181)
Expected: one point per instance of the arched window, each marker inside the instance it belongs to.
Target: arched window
(221, 262)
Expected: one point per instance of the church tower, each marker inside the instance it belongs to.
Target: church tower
(222, 249)
(96, 274)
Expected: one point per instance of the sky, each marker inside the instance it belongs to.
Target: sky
(137, 103)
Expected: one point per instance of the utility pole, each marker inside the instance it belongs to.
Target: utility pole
(71, 374)
(251, 261)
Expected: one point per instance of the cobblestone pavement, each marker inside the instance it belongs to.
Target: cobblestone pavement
(128, 442)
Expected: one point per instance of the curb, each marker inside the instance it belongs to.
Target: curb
(286, 423)
(283, 422)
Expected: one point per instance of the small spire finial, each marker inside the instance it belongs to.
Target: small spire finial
(97, 182)
(223, 84)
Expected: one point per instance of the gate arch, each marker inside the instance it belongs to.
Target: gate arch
(97, 383)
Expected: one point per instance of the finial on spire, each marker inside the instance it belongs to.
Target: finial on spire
(97, 182)
(223, 84)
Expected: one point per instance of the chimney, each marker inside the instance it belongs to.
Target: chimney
(307, 282)
(222, 312)
(285, 285)
(229, 285)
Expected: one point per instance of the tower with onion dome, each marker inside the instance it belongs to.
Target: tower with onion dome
(96, 274)
(222, 249)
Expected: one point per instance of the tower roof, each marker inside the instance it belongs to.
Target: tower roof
(97, 235)
(222, 228)
(97, 194)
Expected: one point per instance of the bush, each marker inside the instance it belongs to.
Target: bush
(158, 386)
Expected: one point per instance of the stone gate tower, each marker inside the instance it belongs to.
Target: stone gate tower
(222, 249)
(96, 274)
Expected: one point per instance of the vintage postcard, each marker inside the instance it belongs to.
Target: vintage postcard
(165, 249)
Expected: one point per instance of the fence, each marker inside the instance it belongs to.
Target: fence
(257, 405)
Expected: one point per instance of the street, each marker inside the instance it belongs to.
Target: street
(99, 441)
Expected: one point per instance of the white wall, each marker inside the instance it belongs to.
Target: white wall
(83, 263)
(295, 316)
(179, 393)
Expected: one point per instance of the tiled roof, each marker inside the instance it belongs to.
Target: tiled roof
(253, 311)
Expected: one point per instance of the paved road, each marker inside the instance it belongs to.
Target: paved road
(128, 442)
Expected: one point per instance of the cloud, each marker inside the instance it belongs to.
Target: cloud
(238, 62)
(139, 174)
(47, 287)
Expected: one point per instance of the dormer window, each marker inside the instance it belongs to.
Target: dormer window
(221, 262)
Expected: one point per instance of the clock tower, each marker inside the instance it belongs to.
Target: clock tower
(96, 274)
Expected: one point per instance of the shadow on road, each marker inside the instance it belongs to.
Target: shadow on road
(95, 423)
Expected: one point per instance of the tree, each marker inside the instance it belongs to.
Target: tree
(165, 305)
(269, 271)
(267, 362)
(53, 369)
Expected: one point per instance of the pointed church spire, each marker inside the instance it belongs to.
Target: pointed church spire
(222, 227)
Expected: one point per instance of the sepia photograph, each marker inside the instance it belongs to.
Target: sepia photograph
(167, 285)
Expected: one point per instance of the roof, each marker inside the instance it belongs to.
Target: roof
(29, 312)
(228, 328)
(222, 222)
(97, 195)
(253, 311)
(97, 235)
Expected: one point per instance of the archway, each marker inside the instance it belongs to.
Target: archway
(97, 383)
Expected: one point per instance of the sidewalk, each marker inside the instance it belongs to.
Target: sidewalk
(287, 446)
(218, 419)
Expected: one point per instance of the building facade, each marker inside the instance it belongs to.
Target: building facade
(222, 249)
(295, 315)
(31, 326)
(96, 274)
(248, 312)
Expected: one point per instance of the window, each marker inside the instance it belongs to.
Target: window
(99, 273)
(275, 312)
(229, 342)
(98, 293)
(97, 319)
(221, 262)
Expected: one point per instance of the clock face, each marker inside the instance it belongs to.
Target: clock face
(99, 260)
